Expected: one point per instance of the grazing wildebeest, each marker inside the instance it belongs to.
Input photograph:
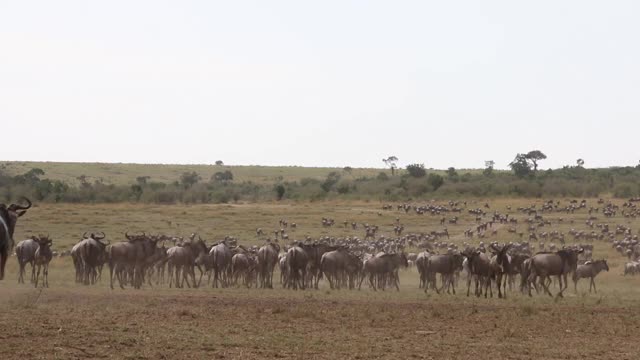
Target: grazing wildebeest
(590, 270)
(221, 256)
(333, 267)
(8, 218)
(297, 261)
(25, 252)
(558, 264)
(88, 255)
(421, 264)
(43, 256)
(128, 259)
(181, 259)
(383, 268)
(243, 267)
(480, 270)
(267, 260)
(501, 263)
(446, 265)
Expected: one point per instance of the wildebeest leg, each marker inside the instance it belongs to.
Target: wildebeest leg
(545, 285)
(111, 265)
(505, 280)
(560, 285)
(37, 276)
(201, 273)
(215, 277)
(562, 280)
(46, 275)
(120, 271)
(170, 270)
(33, 271)
(593, 281)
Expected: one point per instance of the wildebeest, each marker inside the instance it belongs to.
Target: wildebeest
(335, 266)
(446, 265)
(127, 259)
(243, 267)
(42, 257)
(297, 261)
(267, 260)
(88, 255)
(383, 268)
(501, 263)
(480, 269)
(8, 218)
(25, 252)
(558, 264)
(181, 260)
(590, 270)
(221, 255)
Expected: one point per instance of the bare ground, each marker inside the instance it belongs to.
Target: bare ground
(95, 323)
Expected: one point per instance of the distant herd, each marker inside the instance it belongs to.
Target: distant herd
(348, 262)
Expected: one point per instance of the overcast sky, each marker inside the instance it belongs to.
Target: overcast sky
(323, 83)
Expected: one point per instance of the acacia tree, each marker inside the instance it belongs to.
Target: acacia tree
(580, 162)
(488, 167)
(392, 163)
(520, 166)
(534, 156)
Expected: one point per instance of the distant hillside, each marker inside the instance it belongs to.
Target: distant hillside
(125, 174)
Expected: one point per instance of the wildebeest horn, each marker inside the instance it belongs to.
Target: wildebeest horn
(100, 237)
(126, 234)
(84, 236)
(15, 207)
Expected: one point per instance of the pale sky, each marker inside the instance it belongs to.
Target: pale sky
(323, 83)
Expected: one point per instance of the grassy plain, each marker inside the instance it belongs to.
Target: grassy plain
(71, 321)
(124, 174)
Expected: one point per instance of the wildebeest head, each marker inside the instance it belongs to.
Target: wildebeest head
(570, 257)
(43, 241)
(501, 255)
(9, 217)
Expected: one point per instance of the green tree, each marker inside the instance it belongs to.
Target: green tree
(223, 176)
(520, 166)
(436, 181)
(452, 173)
(142, 180)
(392, 163)
(416, 170)
(488, 168)
(280, 189)
(188, 179)
(534, 156)
(219, 162)
(331, 180)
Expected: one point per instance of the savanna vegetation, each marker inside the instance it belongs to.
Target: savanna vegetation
(169, 184)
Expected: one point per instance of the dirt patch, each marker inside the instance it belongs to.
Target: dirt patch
(162, 324)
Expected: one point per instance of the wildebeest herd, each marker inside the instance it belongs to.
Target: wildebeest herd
(348, 262)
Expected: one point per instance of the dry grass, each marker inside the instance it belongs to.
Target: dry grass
(70, 321)
(123, 174)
